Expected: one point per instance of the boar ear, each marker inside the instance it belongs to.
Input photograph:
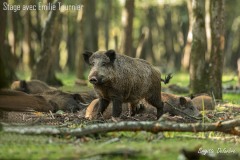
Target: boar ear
(182, 101)
(86, 56)
(111, 55)
(23, 85)
(78, 97)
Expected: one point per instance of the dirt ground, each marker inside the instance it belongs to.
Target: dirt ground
(60, 118)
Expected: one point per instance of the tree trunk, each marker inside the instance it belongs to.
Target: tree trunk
(90, 26)
(71, 43)
(7, 59)
(51, 35)
(198, 76)
(28, 53)
(144, 34)
(150, 54)
(188, 45)
(3, 23)
(127, 40)
(238, 66)
(168, 36)
(107, 18)
(80, 43)
(217, 49)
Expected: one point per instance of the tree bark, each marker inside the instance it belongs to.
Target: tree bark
(51, 35)
(127, 39)
(217, 49)
(154, 127)
(198, 75)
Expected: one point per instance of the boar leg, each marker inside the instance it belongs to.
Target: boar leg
(156, 102)
(103, 103)
(132, 108)
(117, 108)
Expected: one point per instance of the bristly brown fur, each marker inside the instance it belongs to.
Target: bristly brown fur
(120, 79)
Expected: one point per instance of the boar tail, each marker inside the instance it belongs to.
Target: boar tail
(167, 78)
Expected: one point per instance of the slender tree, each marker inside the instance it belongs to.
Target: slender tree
(107, 18)
(217, 48)
(90, 26)
(7, 63)
(3, 23)
(188, 45)
(127, 40)
(198, 74)
(80, 43)
(51, 35)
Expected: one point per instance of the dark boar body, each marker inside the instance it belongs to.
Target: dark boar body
(122, 79)
(31, 87)
(63, 100)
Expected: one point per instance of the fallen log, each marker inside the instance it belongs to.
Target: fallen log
(229, 127)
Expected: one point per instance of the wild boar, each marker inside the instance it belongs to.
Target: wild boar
(203, 101)
(122, 79)
(173, 104)
(11, 100)
(63, 100)
(184, 104)
(31, 87)
(53, 100)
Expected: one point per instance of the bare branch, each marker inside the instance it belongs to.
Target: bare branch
(153, 126)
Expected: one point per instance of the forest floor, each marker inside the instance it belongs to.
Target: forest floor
(118, 145)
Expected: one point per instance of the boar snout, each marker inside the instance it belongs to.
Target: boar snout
(96, 80)
(93, 80)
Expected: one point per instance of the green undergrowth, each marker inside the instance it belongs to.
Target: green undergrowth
(139, 145)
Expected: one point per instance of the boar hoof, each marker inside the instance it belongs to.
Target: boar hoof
(116, 119)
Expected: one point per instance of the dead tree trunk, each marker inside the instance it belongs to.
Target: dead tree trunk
(198, 75)
(51, 35)
(217, 49)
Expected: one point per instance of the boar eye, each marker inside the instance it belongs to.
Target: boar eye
(92, 64)
(104, 63)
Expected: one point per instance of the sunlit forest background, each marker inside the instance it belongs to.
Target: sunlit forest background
(159, 31)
